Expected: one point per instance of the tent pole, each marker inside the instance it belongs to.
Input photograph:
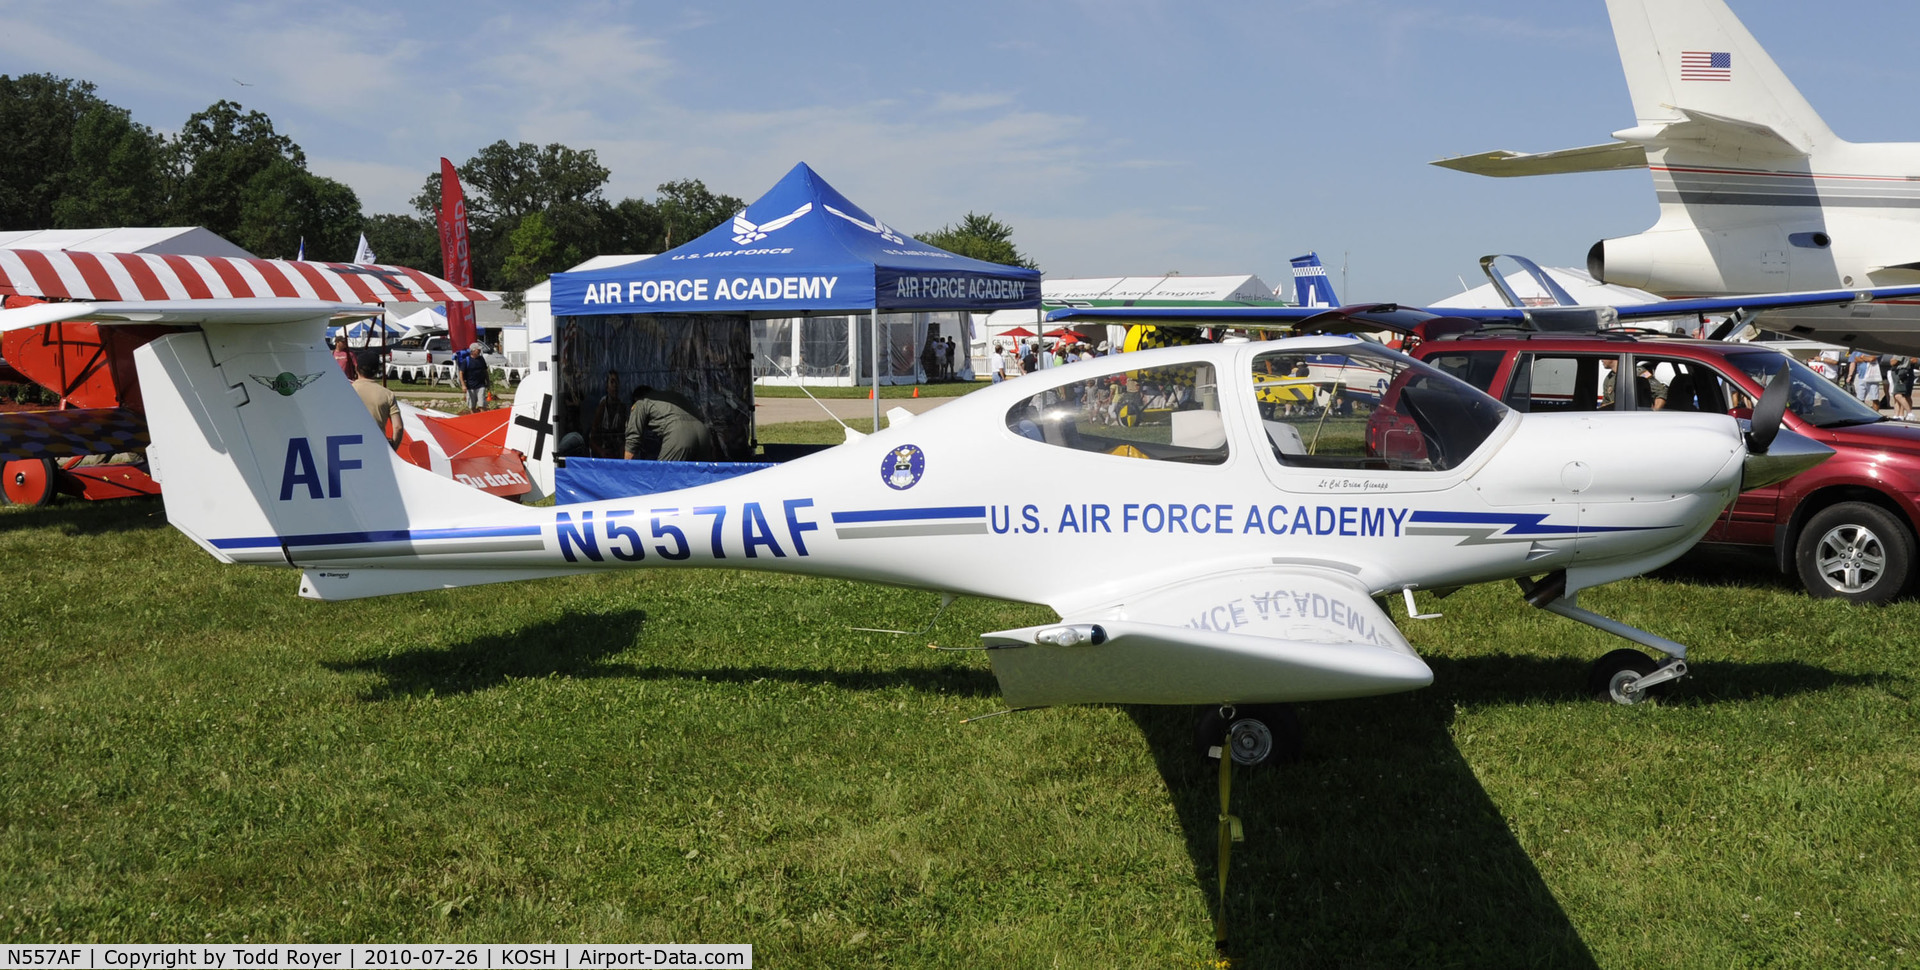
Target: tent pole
(873, 332)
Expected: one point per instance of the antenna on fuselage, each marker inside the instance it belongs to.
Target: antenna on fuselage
(810, 397)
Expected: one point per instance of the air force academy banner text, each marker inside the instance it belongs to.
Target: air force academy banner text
(802, 246)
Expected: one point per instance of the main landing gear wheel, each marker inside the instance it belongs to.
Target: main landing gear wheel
(29, 481)
(1855, 551)
(1260, 734)
(1614, 676)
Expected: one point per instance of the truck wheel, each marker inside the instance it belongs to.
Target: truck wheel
(1855, 551)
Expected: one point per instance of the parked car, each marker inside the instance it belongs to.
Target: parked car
(1846, 527)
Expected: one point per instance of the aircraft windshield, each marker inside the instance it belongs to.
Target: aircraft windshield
(1817, 401)
(1365, 407)
(1161, 413)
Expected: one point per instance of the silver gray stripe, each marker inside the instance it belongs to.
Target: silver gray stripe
(370, 550)
(1802, 201)
(891, 531)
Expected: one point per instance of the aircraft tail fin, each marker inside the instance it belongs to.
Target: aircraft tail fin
(1702, 87)
(265, 453)
(1694, 61)
(1310, 284)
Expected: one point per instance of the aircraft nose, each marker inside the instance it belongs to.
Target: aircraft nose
(1787, 455)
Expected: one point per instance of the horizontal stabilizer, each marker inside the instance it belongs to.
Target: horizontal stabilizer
(1701, 132)
(1260, 636)
(1593, 158)
(351, 584)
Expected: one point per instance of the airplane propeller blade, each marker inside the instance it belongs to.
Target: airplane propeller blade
(1769, 413)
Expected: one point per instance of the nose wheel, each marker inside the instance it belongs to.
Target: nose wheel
(1624, 676)
(1256, 734)
(1629, 676)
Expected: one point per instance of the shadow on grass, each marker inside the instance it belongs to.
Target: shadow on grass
(1750, 567)
(578, 646)
(1380, 848)
(74, 517)
(1501, 679)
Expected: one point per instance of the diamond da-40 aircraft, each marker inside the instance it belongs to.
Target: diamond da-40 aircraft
(1203, 542)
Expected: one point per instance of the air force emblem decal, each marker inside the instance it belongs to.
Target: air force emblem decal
(903, 466)
(286, 382)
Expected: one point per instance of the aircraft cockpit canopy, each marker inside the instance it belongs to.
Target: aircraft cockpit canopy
(1159, 413)
(1366, 408)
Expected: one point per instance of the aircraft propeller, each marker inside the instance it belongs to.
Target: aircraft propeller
(1769, 413)
(1771, 457)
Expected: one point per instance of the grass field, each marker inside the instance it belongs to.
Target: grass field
(189, 752)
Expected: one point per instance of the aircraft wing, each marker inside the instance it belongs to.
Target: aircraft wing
(70, 433)
(1402, 318)
(1592, 158)
(1761, 302)
(1269, 634)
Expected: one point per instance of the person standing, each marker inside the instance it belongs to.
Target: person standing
(345, 358)
(1867, 380)
(378, 400)
(1900, 387)
(997, 364)
(474, 375)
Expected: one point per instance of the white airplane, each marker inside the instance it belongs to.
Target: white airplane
(1208, 553)
(1757, 194)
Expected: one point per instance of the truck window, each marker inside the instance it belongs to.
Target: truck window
(1554, 383)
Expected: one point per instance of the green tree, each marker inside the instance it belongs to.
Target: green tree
(116, 173)
(40, 117)
(980, 237)
(215, 160)
(284, 204)
(532, 250)
(687, 210)
(504, 184)
(404, 240)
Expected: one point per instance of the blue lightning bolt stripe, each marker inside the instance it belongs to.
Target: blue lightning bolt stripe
(1520, 524)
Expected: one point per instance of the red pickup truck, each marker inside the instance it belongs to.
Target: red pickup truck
(1847, 526)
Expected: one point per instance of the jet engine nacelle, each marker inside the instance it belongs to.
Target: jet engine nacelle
(1770, 258)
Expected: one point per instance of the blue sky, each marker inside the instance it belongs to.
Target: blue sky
(1116, 137)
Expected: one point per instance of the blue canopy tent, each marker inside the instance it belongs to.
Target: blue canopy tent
(367, 329)
(801, 248)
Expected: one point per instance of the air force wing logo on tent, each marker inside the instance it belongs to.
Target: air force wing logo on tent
(876, 227)
(851, 262)
(745, 232)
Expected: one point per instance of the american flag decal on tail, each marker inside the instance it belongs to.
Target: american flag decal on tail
(1706, 66)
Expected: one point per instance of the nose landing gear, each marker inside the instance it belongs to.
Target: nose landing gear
(1624, 676)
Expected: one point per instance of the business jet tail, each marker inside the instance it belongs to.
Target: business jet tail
(1703, 91)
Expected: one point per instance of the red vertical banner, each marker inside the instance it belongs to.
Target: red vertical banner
(454, 257)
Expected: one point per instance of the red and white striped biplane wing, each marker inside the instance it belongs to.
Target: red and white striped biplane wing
(59, 274)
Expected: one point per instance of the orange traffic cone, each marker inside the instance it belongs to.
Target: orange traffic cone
(916, 390)
(870, 393)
